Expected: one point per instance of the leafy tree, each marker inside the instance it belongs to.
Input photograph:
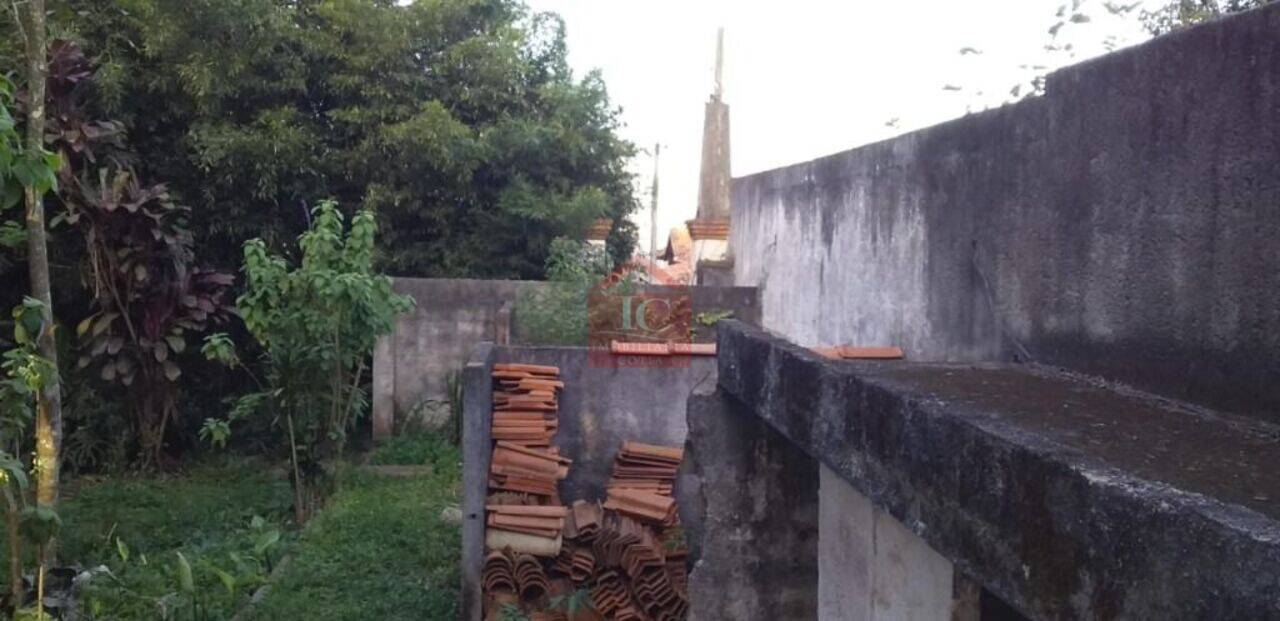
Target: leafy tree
(458, 122)
(316, 323)
(146, 289)
(1178, 14)
(33, 167)
(557, 313)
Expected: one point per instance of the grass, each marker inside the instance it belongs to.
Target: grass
(136, 526)
(379, 550)
(413, 449)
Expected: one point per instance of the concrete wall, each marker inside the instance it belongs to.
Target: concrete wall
(753, 524)
(600, 407)
(870, 566)
(411, 365)
(1123, 225)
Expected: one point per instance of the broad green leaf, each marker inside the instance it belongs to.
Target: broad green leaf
(186, 582)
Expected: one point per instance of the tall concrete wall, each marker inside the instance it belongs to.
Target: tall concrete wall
(1126, 225)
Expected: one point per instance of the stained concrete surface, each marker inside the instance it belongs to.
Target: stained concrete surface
(753, 525)
(1057, 516)
(870, 567)
(412, 365)
(1123, 225)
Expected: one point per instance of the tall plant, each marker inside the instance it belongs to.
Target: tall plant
(316, 323)
(48, 428)
(148, 293)
(29, 376)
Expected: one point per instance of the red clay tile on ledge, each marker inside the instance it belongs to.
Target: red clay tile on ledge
(870, 353)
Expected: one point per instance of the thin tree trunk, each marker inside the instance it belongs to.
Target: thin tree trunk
(48, 429)
(17, 590)
(299, 497)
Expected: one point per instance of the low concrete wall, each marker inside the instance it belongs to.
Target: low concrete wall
(599, 408)
(411, 366)
(1122, 225)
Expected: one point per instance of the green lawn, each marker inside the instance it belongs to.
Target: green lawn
(136, 526)
(378, 551)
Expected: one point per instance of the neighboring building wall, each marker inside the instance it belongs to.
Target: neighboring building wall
(1124, 225)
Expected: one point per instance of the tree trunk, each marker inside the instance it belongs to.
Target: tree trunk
(17, 589)
(48, 429)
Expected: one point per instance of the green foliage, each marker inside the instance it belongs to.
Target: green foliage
(458, 122)
(573, 603)
(711, 318)
(19, 167)
(1177, 14)
(557, 313)
(511, 612)
(416, 448)
(147, 290)
(389, 528)
(316, 323)
(214, 516)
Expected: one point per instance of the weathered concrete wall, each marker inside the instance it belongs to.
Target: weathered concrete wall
(871, 567)
(1122, 225)
(1069, 499)
(411, 365)
(752, 525)
(599, 408)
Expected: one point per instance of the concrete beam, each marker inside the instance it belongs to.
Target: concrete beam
(1065, 498)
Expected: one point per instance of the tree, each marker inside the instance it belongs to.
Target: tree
(146, 289)
(48, 426)
(316, 323)
(1179, 14)
(457, 121)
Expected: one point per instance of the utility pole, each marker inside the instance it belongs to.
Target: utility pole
(653, 213)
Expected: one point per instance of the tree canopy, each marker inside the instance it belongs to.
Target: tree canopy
(457, 122)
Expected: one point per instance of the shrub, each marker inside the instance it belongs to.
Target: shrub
(316, 323)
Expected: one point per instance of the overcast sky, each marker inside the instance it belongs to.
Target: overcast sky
(806, 78)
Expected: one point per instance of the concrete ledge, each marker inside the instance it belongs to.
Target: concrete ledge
(1066, 498)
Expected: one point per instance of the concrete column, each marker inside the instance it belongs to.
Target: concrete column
(871, 567)
(384, 387)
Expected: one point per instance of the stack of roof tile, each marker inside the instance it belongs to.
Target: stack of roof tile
(632, 577)
(523, 510)
(643, 478)
(525, 402)
(499, 574)
(530, 578)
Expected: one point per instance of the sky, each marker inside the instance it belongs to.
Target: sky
(807, 78)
